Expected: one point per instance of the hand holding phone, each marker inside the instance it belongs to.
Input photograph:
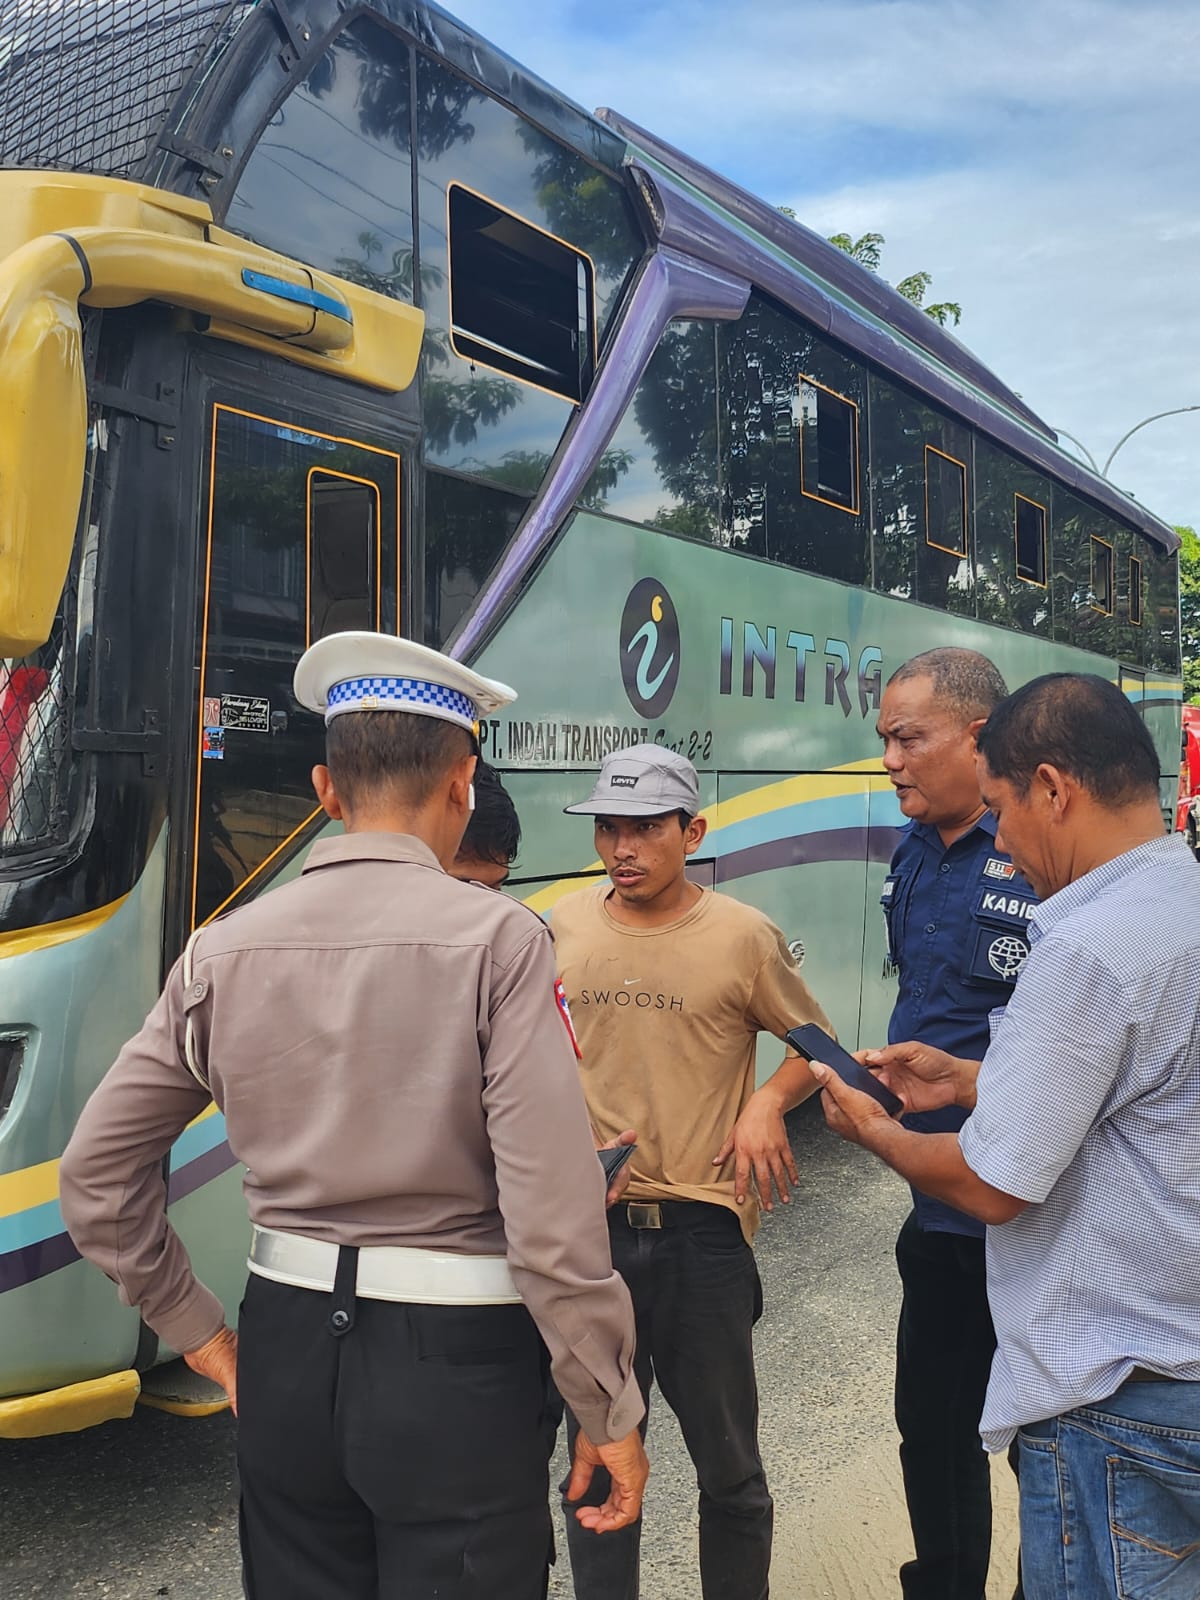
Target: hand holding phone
(814, 1044)
(613, 1160)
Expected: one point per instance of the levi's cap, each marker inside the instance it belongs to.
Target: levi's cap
(360, 671)
(644, 781)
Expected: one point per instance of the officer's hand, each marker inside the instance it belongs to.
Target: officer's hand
(628, 1470)
(925, 1079)
(218, 1360)
(621, 1182)
(760, 1142)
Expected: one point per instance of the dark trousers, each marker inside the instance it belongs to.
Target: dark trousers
(404, 1459)
(944, 1348)
(696, 1296)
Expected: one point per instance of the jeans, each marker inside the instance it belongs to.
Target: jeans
(944, 1348)
(696, 1297)
(1110, 1498)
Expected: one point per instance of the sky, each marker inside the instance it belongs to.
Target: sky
(1041, 158)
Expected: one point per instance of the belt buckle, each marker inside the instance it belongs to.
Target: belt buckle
(644, 1216)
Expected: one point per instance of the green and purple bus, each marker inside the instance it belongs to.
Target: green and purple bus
(318, 314)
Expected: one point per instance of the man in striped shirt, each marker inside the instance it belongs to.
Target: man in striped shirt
(1082, 1153)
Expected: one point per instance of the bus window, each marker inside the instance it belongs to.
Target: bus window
(30, 755)
(828, 446)
(330, 179)
(1029, 533)
(1135, 591)
(1102, 576)
(467, 526)
(343, 554)
(945, 502)
(662, 466)
(521, 301)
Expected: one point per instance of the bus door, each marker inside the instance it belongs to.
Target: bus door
(302, 539)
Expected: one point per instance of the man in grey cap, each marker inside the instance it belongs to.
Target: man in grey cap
(396, 1074)
(669, 985)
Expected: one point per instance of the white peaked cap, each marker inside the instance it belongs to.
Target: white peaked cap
(376, 672)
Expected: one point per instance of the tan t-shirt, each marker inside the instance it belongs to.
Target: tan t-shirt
(667, 1019)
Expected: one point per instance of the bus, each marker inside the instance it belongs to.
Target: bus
(317, 315)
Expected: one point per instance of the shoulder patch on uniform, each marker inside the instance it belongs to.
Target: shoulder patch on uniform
(995, 868)
(564, 1011)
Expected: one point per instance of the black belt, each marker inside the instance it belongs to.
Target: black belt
(1144, 1375)
(666, 1213)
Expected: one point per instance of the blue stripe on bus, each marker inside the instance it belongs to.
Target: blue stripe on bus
(24, 1228)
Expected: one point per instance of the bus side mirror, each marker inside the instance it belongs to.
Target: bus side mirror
(43, 442)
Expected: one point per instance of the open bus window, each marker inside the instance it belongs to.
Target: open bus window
(1029, 532)
(1135, 591)
(521, 301)
(945, 502)
(343, 553)
(828, 446)
(1102, 576)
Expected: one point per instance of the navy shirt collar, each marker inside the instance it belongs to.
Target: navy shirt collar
(928, 834)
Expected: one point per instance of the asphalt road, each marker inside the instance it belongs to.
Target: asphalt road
(148, 1507)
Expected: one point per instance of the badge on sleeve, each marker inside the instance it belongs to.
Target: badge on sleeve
(564, 1011)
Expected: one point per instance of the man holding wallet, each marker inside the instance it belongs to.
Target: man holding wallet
(669, 985)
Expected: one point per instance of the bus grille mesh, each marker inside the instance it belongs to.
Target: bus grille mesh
(86, 87)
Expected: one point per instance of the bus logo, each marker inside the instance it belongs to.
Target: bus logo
(649, 647)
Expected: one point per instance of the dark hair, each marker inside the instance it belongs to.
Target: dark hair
(961, 678)
(392, 755)
(494, 831)
(1079, 723)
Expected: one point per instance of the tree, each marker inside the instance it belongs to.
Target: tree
(867, 250)
(1189, 612)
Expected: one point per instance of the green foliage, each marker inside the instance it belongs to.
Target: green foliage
(867, 250)
(1189, 612)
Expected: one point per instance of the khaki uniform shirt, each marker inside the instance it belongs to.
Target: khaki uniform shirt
(393, 1067)
(667, 1019)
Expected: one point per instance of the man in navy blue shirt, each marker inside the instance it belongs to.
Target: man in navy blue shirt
(956, 912)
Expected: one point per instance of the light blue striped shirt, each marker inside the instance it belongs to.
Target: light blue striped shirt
(1089, 1108)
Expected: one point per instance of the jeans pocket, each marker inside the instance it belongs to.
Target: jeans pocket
(1154, 1515)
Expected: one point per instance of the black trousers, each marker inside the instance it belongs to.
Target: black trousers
(696, 1296)
(944, 1348)
(402, 1459)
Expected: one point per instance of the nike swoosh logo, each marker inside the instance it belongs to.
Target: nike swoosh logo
(628, 981)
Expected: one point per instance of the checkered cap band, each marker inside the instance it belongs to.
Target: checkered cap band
(401, 694)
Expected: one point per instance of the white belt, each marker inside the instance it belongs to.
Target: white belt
(385, 1272)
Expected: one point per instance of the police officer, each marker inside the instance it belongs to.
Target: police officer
(399, 1080)
(956, 912)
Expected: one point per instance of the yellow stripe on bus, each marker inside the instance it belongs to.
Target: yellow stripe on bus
(34, 1186)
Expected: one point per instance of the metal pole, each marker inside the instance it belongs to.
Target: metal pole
(1175, 412)
(1082, 446)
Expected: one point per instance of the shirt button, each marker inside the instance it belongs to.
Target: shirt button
(931, 927)
(918, 991)
(945, 867)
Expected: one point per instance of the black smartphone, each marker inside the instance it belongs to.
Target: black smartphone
(613, 1160)
(814, 1044)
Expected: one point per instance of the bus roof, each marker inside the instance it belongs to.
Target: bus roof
(134, 94)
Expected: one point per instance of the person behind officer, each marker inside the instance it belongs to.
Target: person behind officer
(493, 837)
(670, 985)
(956, 911)
(1081, 1152)
(398, 1079)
